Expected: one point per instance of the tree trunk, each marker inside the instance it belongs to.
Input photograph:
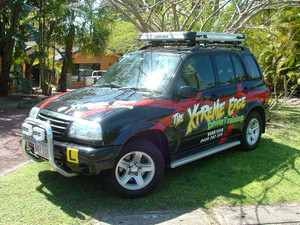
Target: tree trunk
(7, 51)
(4, 74)
(44, 75)
(285, 86)
(68, 57)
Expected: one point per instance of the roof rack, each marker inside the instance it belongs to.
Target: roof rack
(191, 38)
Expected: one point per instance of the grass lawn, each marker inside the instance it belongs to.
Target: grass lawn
(35, 194)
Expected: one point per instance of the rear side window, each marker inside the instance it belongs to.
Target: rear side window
(225, 70)
(198, 72)
(238, 68)
(252, 69)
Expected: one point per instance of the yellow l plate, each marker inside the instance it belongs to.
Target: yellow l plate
(72, 155)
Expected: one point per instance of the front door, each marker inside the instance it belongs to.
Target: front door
(202, 120)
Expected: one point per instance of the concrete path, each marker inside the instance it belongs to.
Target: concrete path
(237, 215)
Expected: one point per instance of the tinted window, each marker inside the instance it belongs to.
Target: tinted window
(188, 77)
(225, 70)
(198, 72)
(251, 66)
(204, 68)
(238, 69)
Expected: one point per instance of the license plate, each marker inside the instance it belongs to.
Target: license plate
(41, 150)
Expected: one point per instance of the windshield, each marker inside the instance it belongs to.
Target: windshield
(142, 71)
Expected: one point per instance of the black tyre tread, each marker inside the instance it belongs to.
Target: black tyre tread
(244, 144)
(157, 157)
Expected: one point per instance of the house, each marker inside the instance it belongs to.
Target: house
(85, 65)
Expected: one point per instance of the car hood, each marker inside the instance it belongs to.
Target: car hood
(91, 100)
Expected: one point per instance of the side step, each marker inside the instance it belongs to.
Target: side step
(203, 154)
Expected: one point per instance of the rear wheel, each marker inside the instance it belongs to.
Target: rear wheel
(138, 169)
(252, 131)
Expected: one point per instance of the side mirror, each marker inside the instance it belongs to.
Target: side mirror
(187, 92)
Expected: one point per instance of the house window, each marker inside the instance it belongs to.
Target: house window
(82, 70)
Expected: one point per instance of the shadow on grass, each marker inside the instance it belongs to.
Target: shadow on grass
(195, 185)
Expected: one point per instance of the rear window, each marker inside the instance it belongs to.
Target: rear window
(252, 69)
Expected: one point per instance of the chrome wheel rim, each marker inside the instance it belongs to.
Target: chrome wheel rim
(135, 170)
(253, 131)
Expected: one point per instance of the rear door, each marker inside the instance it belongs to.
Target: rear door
(231, 75)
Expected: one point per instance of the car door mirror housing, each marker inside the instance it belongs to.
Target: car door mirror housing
(187, 92)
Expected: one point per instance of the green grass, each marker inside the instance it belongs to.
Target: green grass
(35, 194)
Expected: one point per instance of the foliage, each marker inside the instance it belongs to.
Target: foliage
(14, 30)
(92, 34)
(276, 42)
(85, 26)
(123, 37)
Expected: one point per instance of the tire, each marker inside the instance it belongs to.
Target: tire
(251, 132)
(138, 169)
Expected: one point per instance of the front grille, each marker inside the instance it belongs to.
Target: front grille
(58, 125)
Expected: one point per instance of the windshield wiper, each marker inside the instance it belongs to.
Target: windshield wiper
(141, 89)
(107, 85)
(136, 89)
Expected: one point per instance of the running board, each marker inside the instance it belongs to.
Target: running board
(203, 154)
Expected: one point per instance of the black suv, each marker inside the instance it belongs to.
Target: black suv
(158, 106)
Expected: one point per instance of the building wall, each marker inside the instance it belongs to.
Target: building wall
(106, 61)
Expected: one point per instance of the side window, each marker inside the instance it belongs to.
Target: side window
(251, 66)
(198, 72)
(204, 67)
(188, 76)
(225, 70)
(238, 69)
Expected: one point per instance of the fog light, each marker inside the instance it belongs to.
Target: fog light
(39, 134)
(27, 129)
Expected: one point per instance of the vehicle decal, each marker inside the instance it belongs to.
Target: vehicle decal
(177, 119)
(213, 135)
(211, 112)
(160, 103)
(52, 99)
(205, 113)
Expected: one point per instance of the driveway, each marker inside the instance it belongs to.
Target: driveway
(11, 154)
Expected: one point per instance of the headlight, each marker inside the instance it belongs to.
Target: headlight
(86, 130)
(34, 112)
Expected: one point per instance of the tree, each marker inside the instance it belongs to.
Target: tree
(126, 33)
(274, 38)
(199, 15)
(13, 34)
(86, 26)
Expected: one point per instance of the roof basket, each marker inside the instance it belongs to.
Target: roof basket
(191, 38)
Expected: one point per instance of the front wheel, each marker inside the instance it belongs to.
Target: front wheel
(251, 131)
(138, 169)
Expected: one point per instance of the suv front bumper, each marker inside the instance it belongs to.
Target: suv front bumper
(67, 158)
